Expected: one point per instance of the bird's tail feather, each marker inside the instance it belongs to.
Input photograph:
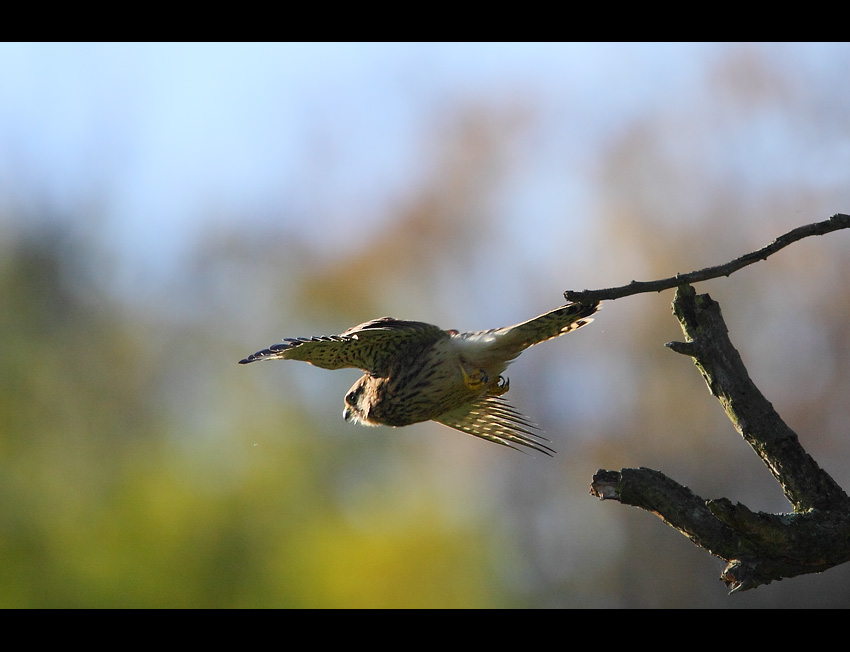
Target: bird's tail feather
(549, 325)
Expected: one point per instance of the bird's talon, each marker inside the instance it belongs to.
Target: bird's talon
(501, 386)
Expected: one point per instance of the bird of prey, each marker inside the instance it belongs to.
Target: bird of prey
(419, 372)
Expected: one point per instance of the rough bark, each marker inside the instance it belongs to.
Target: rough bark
(759, 547)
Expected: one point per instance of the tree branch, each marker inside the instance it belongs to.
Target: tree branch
(805, 484)
(836, 222)
(758, 547)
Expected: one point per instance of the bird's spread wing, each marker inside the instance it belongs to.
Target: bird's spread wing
(371, 346)
(494, 419)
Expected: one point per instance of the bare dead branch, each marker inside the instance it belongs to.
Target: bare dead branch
(805, 484)
(758, 547)
(836, 222)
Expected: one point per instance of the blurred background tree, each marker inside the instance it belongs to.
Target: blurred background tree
(140, 466)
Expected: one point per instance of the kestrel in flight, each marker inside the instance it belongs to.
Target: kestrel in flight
(419, 372)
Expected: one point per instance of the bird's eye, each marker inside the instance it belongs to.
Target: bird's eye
(351, 398)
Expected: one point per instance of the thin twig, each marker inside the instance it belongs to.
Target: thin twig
(836, 222)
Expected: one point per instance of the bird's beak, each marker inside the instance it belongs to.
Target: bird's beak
(346, 414)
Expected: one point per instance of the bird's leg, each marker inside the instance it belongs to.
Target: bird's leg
(501, 386)
(475, 379)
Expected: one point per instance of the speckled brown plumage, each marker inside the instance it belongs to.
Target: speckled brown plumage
(419, 372)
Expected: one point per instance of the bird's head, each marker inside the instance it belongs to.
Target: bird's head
(358, 403)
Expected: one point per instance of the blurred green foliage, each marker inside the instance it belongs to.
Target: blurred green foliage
(104, 503)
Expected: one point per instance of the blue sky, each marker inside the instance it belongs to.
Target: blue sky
(167, 139)
(161, 129)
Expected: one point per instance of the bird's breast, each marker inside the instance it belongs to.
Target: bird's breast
(421, 387)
